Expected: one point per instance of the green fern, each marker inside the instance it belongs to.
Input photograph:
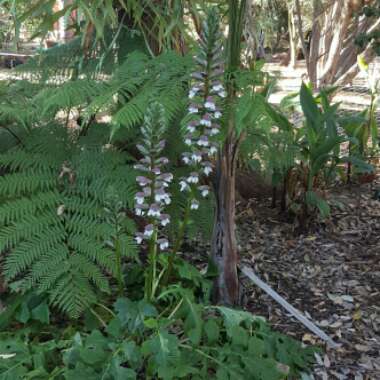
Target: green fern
(55, 220)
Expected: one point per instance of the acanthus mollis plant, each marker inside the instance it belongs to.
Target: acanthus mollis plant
(202, 124)
(153, 196)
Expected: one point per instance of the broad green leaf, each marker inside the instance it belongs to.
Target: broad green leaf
(212, 331)
(310, 107)
(119, 372)
(132, 353)
(132, 314)
(280, 120)
(95, 350)
(41, 313)
(257, 346)
(234, 317)
(162, 347)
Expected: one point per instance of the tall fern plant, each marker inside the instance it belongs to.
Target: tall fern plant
(57, 225)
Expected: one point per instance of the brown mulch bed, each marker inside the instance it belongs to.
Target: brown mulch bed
(331, 274)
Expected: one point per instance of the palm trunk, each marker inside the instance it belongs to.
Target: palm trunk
(224, 248)
(224, 254)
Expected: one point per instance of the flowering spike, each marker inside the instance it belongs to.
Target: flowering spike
(153, 197)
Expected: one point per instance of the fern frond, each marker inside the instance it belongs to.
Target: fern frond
(54, 220)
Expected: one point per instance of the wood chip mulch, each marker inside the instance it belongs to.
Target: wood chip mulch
(331, 274)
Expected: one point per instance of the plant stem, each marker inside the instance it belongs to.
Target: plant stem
(152, 270)
(118, 267)
(179, 240)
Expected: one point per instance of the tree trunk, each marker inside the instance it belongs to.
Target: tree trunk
(293, 38)
(223, 246)
(332, 58)
(224, 253)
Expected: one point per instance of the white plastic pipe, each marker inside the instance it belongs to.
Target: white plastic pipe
(292, 310)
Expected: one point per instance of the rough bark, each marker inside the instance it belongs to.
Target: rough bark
(224, 253)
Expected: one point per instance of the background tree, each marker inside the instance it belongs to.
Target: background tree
(332, 56)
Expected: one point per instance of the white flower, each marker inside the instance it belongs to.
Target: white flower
(194, 204)
(163, 243)
(206, 121)
(196, 157)
(203, 141)
(143, 181)
(188, 140)
(193, 91)
(214, 131)
(212, 150)
(147, 191)
(140, 197)
(156, 171)
(217, 87)
(190, 128)
(149, 229)
(217, 115)
(139, 238)
(222, 94)
(139, 211)
(163, 160)
(207, 169)
(193, 178)
(186, 158)
(166, 177)
(141, 167)
(161, 196)
(210, 104)
(193, 108)
(160, 184)
(165, 219)
(204, 190)
(183, 186)
(154, 210)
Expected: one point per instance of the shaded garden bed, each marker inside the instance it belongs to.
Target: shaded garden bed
(332, 275)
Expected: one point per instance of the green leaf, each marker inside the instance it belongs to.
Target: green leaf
(162, 347)
(234, 318)
(132, 314)
(41, 313)
(193, 319)
(132, 353)
(310, 107)
(118, 372)
(313, 200)
(257, 346)
(280, 120)
(265, 369)
(24, 314)
(212, 331)
(81, 371)
(95, 350)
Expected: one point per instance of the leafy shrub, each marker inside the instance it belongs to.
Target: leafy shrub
(187, 341)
